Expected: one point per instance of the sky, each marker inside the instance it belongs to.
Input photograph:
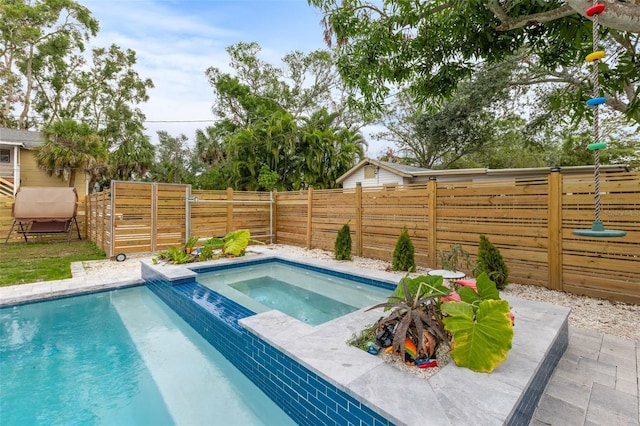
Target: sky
(177, 40)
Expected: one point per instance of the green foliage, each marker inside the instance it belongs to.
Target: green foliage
(366, 336)
(478, 327)
(410, 290)
(342, 246)
(171, 159)
(482, 336)
(276, 131)
(70, 147)
(233, 244)
(455, 259)
(175, 255)
(404, 253)
(267, 179)
(132, 158)
(48, 76)
(430, 47)
(206, 254)
(490, 261)
(191, 242)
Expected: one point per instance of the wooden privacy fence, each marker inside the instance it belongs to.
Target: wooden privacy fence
(140, 217)
(529, 220)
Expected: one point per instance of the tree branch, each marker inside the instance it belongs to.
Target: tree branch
(508, 23)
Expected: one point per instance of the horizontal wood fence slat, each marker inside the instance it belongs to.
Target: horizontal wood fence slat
(529, 220)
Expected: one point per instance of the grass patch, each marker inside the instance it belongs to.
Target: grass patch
(22, 263)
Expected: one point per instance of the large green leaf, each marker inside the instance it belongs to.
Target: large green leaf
(214, 243)
(479, 343)
(486, 288)
(486, 291)
(236, 242)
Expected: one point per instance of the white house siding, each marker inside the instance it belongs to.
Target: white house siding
(383, 177)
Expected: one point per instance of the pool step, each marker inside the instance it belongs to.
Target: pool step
(197, 383)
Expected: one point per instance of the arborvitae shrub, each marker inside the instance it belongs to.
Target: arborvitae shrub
(403, 254)
(490, 261)
(342, 247)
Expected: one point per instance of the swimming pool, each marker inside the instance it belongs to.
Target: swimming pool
(121, 357)
(310, 295)
(306, 394)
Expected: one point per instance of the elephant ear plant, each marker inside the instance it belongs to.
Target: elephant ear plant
(233, 244)
(481, 326)
(478, 327)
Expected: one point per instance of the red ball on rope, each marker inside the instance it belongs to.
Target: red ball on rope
(596, 9)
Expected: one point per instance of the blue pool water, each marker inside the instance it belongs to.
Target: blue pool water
(307, 306)
(121, 358)
(308, 295)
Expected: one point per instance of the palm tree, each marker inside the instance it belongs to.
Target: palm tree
(132, 159)
(329, 149)
(71, 147)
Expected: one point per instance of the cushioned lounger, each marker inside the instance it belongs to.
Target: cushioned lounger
(44, 210)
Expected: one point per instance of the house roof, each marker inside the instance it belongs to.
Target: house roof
(395, 168)
(415, 172)
(24, 138)
(529, 171)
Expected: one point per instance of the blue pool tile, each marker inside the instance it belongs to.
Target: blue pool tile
(337, 396)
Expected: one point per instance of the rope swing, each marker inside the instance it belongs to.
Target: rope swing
(597, 228)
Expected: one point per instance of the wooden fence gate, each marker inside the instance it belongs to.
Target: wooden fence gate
(138, 217)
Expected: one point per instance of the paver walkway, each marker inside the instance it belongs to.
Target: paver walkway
(597, 381)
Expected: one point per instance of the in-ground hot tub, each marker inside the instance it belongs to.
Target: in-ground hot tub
(311, 296)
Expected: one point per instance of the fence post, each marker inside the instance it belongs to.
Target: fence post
(358, 227)
(112, 219)
(87, 217)
(229, 209)
(154, 216)
(273, 222)
(309, 215)
(432, 233)
(103, 228)
(555, 229)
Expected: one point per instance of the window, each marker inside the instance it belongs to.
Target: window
(370, 172)
(5, 155)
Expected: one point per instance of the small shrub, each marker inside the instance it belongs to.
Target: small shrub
(403, 254)
(490, 261)
(342, 247)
